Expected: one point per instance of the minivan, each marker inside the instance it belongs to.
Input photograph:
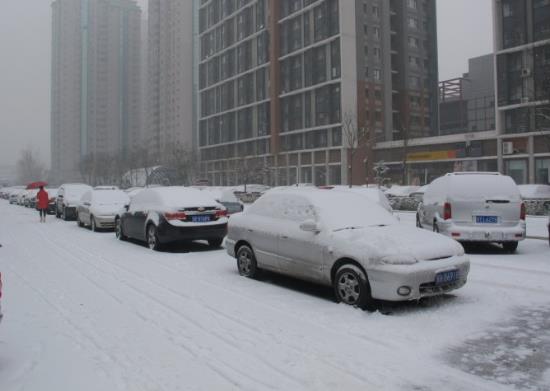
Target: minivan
(475, 207)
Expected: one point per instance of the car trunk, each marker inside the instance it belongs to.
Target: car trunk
(487, 211)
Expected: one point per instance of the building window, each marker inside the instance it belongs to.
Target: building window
(542, 167)
(517, 169)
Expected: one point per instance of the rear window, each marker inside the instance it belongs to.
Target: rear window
(470, 187)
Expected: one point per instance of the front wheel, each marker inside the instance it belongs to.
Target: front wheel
(152, 238)
(215, 242)
(246, 262)
(118, 230)
(510, 247)
(79, 222)
(418, 223)
(93, 225)
(351, 287)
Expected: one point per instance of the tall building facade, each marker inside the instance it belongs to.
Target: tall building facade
(467, 103)
(96, 89)
(286, 85)
(171, 75)
(522, 49)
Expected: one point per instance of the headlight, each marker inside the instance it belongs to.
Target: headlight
(399, 260)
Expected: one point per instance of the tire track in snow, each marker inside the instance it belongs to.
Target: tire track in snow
(198, 326)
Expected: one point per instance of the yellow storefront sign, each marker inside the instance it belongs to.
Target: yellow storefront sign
(435, 155)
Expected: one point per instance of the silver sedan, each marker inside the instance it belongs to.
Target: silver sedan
(342, 240)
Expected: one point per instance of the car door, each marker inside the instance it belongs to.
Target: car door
(137, 214)
(260, 230)
(300, 252)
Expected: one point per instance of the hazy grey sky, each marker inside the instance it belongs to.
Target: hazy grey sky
(465, 31)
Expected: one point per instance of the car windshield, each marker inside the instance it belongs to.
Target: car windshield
(350, 211)
(75, 192)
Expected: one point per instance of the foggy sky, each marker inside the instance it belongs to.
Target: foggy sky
(465, 31)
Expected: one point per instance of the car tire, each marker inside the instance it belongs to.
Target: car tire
(64, 214)
(93, 224)
(79, 222)
(246, 262)
(351, 286)
(510, 247)
(119, 233)
(215, 242)
(152, 238)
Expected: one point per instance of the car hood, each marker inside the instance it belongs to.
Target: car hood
(376, 243)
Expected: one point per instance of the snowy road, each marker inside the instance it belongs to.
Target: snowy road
(86, 312)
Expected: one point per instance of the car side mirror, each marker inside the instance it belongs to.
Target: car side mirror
(310, 226)
(126, 207)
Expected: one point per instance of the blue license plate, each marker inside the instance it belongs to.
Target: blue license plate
(446, 277)
(486, 219)
(200, 219)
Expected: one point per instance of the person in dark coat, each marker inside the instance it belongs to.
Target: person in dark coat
(42, 201)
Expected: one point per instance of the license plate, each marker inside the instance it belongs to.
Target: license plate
(200, 219)
(446, 277)
(486, 219)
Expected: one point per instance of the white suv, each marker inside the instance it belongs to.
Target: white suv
(474, 207)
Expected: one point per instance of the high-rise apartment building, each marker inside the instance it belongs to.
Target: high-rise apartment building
(171, 75)
(281, 83)
(96, 89)
(522, 46)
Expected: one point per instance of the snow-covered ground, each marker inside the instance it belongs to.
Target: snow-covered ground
(86, 312)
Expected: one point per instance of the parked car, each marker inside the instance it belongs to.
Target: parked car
(30, 198)
(401, 191)
(345, 241)
(52, 193)
(418, 194)
(68, 198)
(226, 197)
(475, 207)
(99, 207)
(163, 215)
(14, 196)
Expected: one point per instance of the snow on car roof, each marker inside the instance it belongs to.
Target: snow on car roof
(110, 196)
(485, 185)
(401, 191)
(183, 197)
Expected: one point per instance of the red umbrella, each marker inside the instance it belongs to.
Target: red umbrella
(36, 185)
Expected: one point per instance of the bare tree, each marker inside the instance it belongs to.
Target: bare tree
(29, 169)
(184, 161)
(250, 170)
(356, 138)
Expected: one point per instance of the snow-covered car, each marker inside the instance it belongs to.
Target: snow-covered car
(163, 215)
(52, 194)
(30, 198)
(475, 207)
(99, 207)
(401, 191)
(133, 191)
(418, 194)
(345, 241)
(535, 192)
(68, 198)
(14, 195)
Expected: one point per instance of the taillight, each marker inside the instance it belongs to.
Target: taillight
(447, 211)
(175, 216)
(523, 212)
(221, 213)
